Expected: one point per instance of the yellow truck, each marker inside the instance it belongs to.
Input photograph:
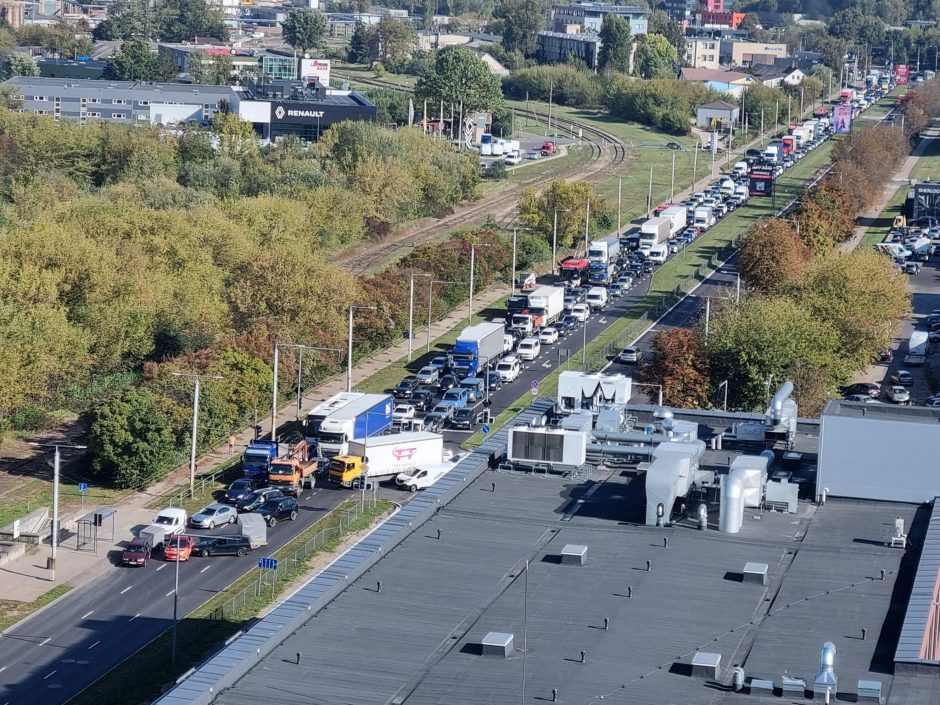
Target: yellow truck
(386, 456)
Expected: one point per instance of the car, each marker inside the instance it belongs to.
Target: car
(548, 336)
(630, 355)
(179, 547)
(137, 552)
(493, 380)
(509, 368)
(860, 398)
(569, 302)
(581, 312)
(421, 400)
(239, 489)
(533, 154)
(476, 388)
(932, 402)
(429, 374)
(448, 382)
(257, 498)
(467, 418)
(870, 388)
(899, 394)
(401, 412)
(911, 268)
(530, 348)
(753, 153)
(625, 280)
(435, 421)
(405, 388)
(222, 546)
(457, 397)
(674, 145)
(886, 356)
(213, 515)
(648, 268)
(275, 510)
(615, 289)
(513, 159)
(441, 362)
(903, 377)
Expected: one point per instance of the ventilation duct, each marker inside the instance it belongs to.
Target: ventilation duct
(826, 679)
(775, 410)
(732, 505)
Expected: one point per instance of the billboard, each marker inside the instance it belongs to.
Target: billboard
(316, 68)
(761, 181)
(842, 118)
(902, 74)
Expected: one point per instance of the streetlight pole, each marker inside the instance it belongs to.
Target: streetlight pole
(192, 452)
(430, 302)
(672, 188)
(349, 345)
(725, 385)
(554, 239)
(473, 259)
(411, 307)
(300, 348)
(619, 201)
(56, 463)
(649, 195)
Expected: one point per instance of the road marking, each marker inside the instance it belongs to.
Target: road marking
(205, 569)
(88, 614)
(93, 645)
(46, 641)
(162, 567)
(134, 617)
(3, 669)
(50, 675)
(125, 589)
(170, 593)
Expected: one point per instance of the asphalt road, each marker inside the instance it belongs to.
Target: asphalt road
(60, 651)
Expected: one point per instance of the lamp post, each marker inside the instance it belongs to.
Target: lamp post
(725, 385)
(300, 361)
(430, 301)
(192, 453)
(349, 345)
(56, 462)
(555, 238)
(652, 384)
(473, 259)
(411, 308)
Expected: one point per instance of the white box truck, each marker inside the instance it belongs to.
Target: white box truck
(653, 231)
(679, 217)
(917, 349)
(386, 456)
(704, 217)
(546, 304)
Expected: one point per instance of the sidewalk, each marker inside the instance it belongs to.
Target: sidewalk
(26, 579)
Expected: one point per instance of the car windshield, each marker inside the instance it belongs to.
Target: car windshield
(240, 485)
(163, 520)
(178, 541)
(138, 548)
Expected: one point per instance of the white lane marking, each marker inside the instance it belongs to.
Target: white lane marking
(3, 669)
(88, 614)
(205, 569)
(126, 589)
(93, 645)
(162, 567)
(170, 593)
(134, 617)
(50, 675)
(46, 641)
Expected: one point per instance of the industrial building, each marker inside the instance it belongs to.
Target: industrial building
(590, 551)
(923, 201)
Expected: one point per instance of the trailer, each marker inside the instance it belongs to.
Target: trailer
(324, 410)
(477, 347)
(604, 250)
(252, 525)
(679, 217)
(387, 456)
(367, 416)
(654, 231)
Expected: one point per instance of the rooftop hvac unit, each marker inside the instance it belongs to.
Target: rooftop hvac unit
(551, 446)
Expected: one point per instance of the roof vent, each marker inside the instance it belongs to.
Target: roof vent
(573, 554)
(498, 644)
(826, 680)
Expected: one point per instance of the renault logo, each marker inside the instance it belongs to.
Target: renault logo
(279, 112)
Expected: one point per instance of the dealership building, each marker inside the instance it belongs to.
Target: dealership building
(276, 107)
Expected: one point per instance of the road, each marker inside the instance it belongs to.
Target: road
(60, 651)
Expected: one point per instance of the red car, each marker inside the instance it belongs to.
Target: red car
(182, 544)
(547, 149)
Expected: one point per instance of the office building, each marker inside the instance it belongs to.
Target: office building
(588, 17)
(742, 53)
(556, 47)
(681, 11)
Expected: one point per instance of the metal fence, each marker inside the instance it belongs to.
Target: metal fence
(316, 543)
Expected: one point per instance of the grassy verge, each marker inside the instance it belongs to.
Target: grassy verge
(35, 492)
(12, 612)
(141, 677)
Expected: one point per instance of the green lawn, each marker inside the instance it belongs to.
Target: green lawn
(12, 612)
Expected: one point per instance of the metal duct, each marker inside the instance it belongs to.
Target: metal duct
(731, 516)
(769, 454)
(826, 677)
(776, 404)
(619, 449)
(631, 437)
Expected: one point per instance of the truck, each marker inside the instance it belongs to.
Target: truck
(847, 95)
(654, 231)
(917, 349)
(789, 144)
(921, 249)
(256, 462)
(803, 134)
(386, 456)
(575, 270)
(369, 415)
(294, 470)
(679, 217)
(168, 522)
(774, 152)
(324, 410)
(602, 255)
(704, 217)
(477, 348)
(546, 305)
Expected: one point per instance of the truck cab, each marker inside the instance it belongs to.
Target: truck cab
(346, 469)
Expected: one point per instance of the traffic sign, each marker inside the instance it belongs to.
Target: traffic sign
(486, 429)
(534, 384)
(267, 563)
(83, 487)
(535, 391)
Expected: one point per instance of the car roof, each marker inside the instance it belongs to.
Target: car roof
(508, 358)
(531, 340)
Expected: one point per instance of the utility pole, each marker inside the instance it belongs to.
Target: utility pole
(56, 463)
(192, 452)
(473, 254)
(672, 188)
(649, 195)
(619, 201)
(411, 306)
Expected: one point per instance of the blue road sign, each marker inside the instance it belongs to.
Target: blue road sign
(82, 487)
(267, 563)
(534, 384)
(486, 429)
(83, 58)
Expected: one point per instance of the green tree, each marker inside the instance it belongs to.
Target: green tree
(358, 52)
(237, 137)
(616, 44)
(660, 23)
(131, 439)
(522, 21)
(458, 77)
(304, 29)
(655, 57)
(393, 39)
(773, 257)
(570, 199)
(677, 361)
(10, 98)
(181, 20)
(137, 62)
(21, 65)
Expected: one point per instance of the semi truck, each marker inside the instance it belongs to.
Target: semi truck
(774, 152)
(575, 271)
(367, 416)
(602, 255)
(294, 470)
(256, 462)
(546, 305)
(477, 347)
(654, 231)
(324, 410)
(679, 217)
(385, 457)
(168, 522)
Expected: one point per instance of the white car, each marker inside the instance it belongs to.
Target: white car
(548, 336)
(402, 412)
(424, 476)
(581, 312)
(513, 159)
(529, 349)
(428, 375)
(508, 368)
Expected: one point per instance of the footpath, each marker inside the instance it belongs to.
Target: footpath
(26, 579)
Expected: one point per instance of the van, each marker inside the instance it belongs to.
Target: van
(509, 368)
(597, 298)
(509, 342)
(727, 187)
(740, 169)
(529, 349)
(741, 192)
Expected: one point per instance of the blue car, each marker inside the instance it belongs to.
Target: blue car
(456, 397)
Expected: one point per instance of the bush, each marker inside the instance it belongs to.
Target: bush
(665, 104)
(568, 85)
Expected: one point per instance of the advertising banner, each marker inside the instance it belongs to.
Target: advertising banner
(902, 74)
(761, 181)
(842, 118)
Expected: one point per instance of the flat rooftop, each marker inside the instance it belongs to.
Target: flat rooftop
(417, 638)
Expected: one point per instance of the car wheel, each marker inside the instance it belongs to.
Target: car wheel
(293, 515)
(242, 551)
(211, 525)
(204, 553)
(412, 488)
(271, 522)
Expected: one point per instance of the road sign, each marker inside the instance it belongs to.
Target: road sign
(534, 384)
(267, 563)
(535, 391)
(83, 487)
(486, 429)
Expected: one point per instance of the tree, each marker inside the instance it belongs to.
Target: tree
(460, 77)
(137, 62)
(217, 71)
(616, 44)
(304, 29)
(655, 57)
(773, 257)
(358, 52)
(10, 98)
(660, 23)
(522, 22)
(181, 20)
(237, 137)
(537, 212)
(22, 65)
(678, 362)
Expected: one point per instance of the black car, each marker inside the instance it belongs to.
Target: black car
(467, 418)
(277, 509)
(239, 490)
(448, 382)
(870, 388)
(648, 268)
(434, 421)
(753, 153)
(222, 546)
(566, 324)
(406, 387)
(422, 399)
(493, 380)
(257, 498)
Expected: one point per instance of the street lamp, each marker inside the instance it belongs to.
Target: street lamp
(192, 453)
(411, 308)
(300, 361)
(512, 284)
(725, 385)
(555, 237)
(473, 258)
(56, 461)
(349, 347)
(430, 294)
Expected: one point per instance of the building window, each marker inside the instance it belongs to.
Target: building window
(91, 115)
(40, 98)
(118, 101)
(143, 103)
(94, 100)
(118, 116)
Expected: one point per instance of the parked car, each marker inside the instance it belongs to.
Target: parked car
(179, 544)
(886, 356)
(548, 336)
(429, 374)
(530, 348)
(509, 368)
(212, 515)
(630, 355)
(278, 509)
(903, 377)
(257, 498)
(406, 387)
(899, 394)
(239, 489)
(421, 400)
(137, 552)
(870, 388)
(861, 398)
(222, 546)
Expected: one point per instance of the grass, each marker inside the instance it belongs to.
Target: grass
(12, 612)
(141, 677)
(36, 492)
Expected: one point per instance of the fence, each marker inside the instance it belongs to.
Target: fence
(316, 543)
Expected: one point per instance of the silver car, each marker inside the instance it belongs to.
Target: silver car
(213, 515)
(428, 375)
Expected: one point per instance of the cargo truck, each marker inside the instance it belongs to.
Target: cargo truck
(293, 471)
(477, 347)
(653, 232)
(679, 217)
(704, 217)
(917, 349)
(546, 305)
(385, 457)
(256, 462)
(168, 522)
(604, 250)
(323, 411)
(774, 152)
(575, 271)
(367, 416)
